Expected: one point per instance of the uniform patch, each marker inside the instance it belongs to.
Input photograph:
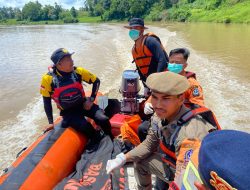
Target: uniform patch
(188, 155)
(196, 91)
(65, 51)
(218, 183)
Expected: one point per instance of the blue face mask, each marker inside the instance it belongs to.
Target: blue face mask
(175, 68)
(134, 34)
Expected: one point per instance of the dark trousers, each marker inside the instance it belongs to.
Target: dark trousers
(76, 119)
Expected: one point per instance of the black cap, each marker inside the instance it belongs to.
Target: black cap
(59, 54)
(136, 22)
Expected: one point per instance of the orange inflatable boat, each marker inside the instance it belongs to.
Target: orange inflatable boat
(47, 161)
(53, 156)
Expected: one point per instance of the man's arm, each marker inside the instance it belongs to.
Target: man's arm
(160, 56)
(142, 77)
(45, 91)
(89, 78)
(95, 88)
(147, 147)
(48, 109)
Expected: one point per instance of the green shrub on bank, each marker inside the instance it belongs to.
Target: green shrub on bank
(221, 11)
(178, 14)
(88, 19)
(156, 13)
(70, 20)
(230, 12)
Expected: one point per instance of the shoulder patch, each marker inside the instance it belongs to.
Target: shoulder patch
(218, 183)
(188, 155)
(196, 91)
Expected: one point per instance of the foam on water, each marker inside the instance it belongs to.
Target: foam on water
(224, 92)
(21, 132)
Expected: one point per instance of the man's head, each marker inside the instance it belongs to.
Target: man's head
(224, 161)
(62, 60)
(136, 28)
(178, 60)
(167, 93)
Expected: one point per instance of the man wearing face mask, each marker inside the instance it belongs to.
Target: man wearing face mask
(194, 94)
(177, 64)
(148, 53)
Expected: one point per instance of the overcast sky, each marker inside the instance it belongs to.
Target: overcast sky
(64, 3)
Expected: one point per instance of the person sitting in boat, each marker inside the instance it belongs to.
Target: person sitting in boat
(222, 162)
(148, 52)
(194, 94)
(63, 84)
(174, 133)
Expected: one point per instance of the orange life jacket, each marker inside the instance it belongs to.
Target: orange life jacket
(129, 130)
(190, 74)
(187, 102)
(168, 150)
(142, 55)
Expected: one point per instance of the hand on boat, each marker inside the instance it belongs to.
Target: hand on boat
(88, 104)
(48, 128)
(119, 161)
(148, 109)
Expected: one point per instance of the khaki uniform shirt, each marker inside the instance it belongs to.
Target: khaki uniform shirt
(189, 133)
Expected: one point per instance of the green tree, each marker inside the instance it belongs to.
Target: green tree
(57, 10)
(106, 4)
(48, 12)
(119, 9)
(167, 4)
(11, 13)
(73, 12)
(4, 13)
(18, 14)
(89, 7)
(32, 11)
(98, 9)
(64, 14)
(136, 8)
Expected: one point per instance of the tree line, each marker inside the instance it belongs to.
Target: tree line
(107, 9)
(34, 11)
(122, 9)
(155, 10)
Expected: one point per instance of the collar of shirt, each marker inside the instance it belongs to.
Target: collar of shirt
(181, 112)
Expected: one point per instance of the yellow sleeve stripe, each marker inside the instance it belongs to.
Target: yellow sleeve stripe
(86, 75)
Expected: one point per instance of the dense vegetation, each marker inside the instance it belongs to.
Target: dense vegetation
(177, 10)
(34, 12)
(226, 11)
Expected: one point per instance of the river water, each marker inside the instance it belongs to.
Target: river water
(219, 56)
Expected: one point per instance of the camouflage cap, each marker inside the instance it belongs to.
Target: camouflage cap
(167, 83)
